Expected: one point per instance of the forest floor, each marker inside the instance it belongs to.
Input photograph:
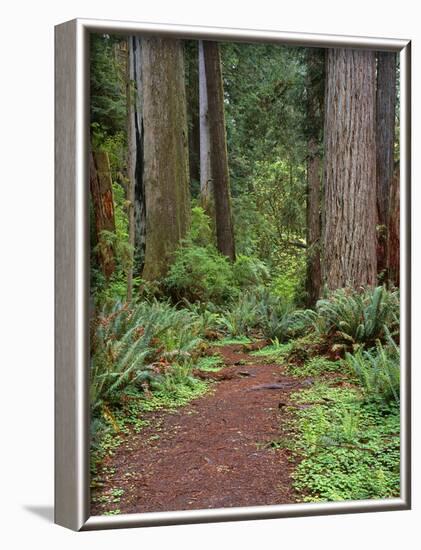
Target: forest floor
(214, 452)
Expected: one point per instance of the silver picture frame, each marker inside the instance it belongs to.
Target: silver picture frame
(72, 499)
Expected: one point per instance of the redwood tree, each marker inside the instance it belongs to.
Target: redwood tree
(192, 99)
(315, 96)
(218, 148)
(385, 141)
(393, 231)
(206, 189)
(131, 162)
(350, 169)
(166, 170)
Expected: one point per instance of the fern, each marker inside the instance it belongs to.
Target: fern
(125, 340)
(378, 370)
(358, 317)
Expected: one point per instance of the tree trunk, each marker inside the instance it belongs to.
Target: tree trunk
(315, 97)
(314, 272)
(131, 159)
(166, 176)
(193, 112)
(135, 206)
(206, 190)
(138, 155)
(393, 241)
(218, 145)
(103, 208)
(350, 169)
(385, 141)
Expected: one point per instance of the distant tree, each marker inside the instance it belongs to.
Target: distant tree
(218, 147)
(385, 142)
(206, 189)
(166, 170)
(350, 169)
(315, 59)
(135, 189)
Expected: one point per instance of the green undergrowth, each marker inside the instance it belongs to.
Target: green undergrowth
(274, 351)
(348, 446)
(178, 396)
(211, 363)
(317, 366)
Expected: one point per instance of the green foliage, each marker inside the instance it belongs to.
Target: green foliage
(316, 366)
(108, 291)
(264, 104)
(241, 317)
(277, 320)
(208, 318)
(114, 145)
(127, 342)
(210, 363)
(174, 390)
(349, 447)
(107, 87)
(275, 351)
(250, 272)
(260, 311)
(141, 360)
(200, 273)
(116, 364)
(378, 371)
(288, 279)
(200, 232)
(354, 317)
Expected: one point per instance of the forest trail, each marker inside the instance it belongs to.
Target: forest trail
(213, 452)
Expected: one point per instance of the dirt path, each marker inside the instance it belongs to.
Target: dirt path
(212, 453)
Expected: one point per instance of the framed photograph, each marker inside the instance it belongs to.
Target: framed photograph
(232, 274)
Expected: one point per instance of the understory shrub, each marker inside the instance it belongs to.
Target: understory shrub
(261, 311)
(315, 366)
(241, 317)
(378, 370)
(289, 277)
(356, 318)
(249, 271)
(200, 273)
(349, 448)
(131, 345)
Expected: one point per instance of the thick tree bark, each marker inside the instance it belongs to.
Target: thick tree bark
(206, 190)
(219, 155)
(138, 166)
(385, 140)
(350, 169)
(315, 97)
(314, 271)
(103, 208)
(192, 93)
(166, 175)
(393, 241)
(131, 159)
